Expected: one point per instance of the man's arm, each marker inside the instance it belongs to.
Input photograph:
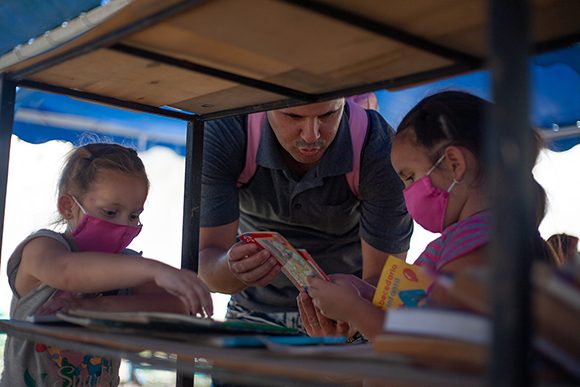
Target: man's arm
(214, 243)
(385, 223)
(373, 262)
(229, 267)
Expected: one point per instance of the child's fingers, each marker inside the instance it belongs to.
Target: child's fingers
(308, 315)
(342, 328)
(314, 282)
(328, 326)
(204, 297)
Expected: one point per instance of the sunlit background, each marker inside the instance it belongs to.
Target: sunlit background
(31, 204)
(34, 170)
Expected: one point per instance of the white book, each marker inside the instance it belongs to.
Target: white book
(440, 323)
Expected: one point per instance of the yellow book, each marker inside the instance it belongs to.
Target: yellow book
(401, 285)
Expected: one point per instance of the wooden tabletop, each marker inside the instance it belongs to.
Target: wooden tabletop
(221, 55)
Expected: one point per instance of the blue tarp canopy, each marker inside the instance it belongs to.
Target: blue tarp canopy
(34, 18)
(555, 94)
(41, 117)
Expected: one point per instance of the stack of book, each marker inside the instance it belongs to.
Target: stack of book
(456, 332)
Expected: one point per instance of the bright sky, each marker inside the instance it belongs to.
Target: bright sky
(34, 170)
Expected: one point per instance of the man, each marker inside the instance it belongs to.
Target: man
(299, 190)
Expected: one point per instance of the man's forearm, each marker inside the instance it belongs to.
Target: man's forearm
(215, 272)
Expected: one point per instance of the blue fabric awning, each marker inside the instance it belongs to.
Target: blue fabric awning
(41, 117)
(555, 99)
(34, 18)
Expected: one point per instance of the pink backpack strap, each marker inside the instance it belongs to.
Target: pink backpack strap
(358, 124)
(366, 100)
(254, 132)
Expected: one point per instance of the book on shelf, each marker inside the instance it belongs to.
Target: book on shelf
(159, 322)
(555, 308)
(434, 351)
(203, 331)
(436, 337)
(229, 333)
(556, 313)
(297, 264)
(442, 323)
(180, 322)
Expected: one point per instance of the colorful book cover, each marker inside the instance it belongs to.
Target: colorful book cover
(401, 285)
(297, 265)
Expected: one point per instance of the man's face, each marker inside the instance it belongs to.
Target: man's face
(305, 132)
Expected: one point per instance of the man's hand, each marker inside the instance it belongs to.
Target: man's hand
(251, 265)
(315, 323)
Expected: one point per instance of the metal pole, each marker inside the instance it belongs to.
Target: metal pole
(191, 208)
(192, 194)
(7, 98)
(509, 153)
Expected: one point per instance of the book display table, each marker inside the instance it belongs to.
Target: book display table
(349, 365)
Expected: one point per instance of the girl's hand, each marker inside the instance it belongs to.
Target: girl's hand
(315, 323)
(60, 301)
(190, 289)
(366, 290)
(334, 299)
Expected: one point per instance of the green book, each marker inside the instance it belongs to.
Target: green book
(167, 322)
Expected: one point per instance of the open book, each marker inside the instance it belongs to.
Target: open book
(157, 322)
(296, 264)
(203, 331)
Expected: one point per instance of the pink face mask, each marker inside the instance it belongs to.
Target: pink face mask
(94, 234)
(426, 203)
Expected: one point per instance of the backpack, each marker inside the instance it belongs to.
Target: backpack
(357, 123)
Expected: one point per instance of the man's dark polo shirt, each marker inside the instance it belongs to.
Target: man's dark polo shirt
(317, 212)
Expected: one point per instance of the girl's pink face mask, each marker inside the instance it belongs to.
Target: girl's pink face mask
(95, 234)
(426, 203)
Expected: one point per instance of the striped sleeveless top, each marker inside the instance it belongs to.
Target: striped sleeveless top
(456, 241)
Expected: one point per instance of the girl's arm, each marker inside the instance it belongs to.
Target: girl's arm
(475, 258)
(368, 319)
(365, 290)
(45, 260)
(154, 302)
(340, 300)
(150, 297)
(373, 262)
